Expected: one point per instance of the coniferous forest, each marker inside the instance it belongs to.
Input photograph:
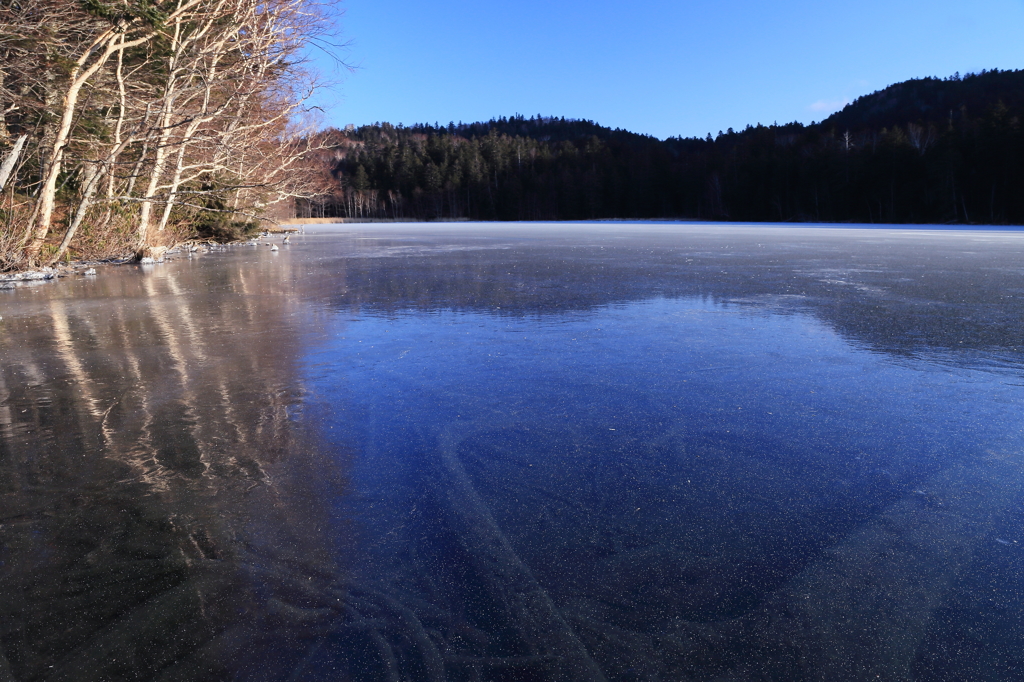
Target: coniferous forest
(928, 150)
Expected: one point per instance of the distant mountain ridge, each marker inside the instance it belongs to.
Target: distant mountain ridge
(926, 150)
(537, 127)
(918, 100)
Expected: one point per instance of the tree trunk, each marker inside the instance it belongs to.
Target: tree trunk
(93, 174)
(111, 41)
(12, 159)
(48, 191)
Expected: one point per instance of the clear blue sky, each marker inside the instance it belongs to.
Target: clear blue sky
(653, 66)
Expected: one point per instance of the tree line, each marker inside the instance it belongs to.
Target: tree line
(924, 151)
(127, 125)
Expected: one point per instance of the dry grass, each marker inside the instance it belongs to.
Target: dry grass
(105, 233)
(13, 218)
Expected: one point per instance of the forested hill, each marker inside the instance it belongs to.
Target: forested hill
(923, 151)
(932, 100)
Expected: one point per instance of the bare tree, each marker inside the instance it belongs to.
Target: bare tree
(133, 27)
(141, 107)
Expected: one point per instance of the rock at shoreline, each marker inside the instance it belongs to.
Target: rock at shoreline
(152, 254)
(30, 275)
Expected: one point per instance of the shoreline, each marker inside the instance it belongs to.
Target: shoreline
(87, 268)
(14, 278)
(338, 221)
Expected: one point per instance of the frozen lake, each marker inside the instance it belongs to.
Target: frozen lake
(604, 451)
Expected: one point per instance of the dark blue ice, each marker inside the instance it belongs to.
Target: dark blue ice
(521, 452)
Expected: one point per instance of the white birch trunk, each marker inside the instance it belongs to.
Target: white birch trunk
(110, 41)
(11, 161)
(93, 174)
